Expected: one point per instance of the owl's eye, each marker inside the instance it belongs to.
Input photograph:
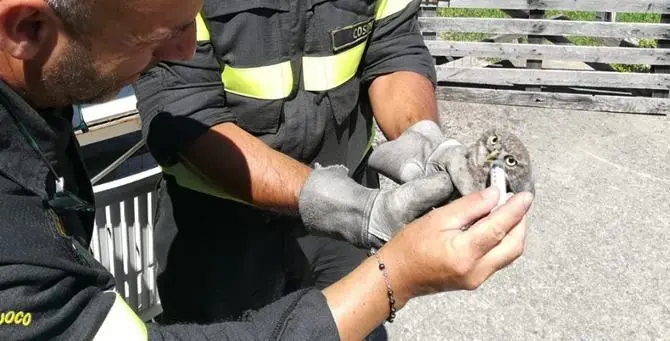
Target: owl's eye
(493, 139)
(510, 161)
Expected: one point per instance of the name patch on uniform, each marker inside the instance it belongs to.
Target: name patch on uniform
(345, 37)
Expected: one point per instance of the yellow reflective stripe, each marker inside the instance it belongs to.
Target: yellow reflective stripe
(276, 81)
(189, 177)
(272, 82)
(121, 323)
(324, 73)
(263, 82)
(202, 32)
(386, 8)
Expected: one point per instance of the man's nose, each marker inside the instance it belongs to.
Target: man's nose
(180, 48)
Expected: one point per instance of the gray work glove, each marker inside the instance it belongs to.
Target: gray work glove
(334, 204)
(420, 151)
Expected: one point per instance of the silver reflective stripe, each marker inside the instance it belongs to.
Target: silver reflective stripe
(121, 323)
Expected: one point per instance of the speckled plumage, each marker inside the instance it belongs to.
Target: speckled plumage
(498, 144)
(475, 161)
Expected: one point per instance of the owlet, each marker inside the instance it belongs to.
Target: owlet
(476, 159)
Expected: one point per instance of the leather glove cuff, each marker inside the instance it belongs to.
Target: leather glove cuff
(332, 203)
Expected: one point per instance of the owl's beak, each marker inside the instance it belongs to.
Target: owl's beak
(492, 156)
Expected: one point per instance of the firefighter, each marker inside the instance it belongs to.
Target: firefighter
(58, 52)
(263, 138)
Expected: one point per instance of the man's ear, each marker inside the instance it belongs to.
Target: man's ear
(24, 27)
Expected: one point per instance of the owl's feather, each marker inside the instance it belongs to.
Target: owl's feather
(469, 166)
(502, 145)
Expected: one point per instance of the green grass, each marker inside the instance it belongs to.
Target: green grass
(573, 15)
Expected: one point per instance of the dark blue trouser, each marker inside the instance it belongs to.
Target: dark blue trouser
(219, 259)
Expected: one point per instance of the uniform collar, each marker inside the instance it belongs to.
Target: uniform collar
(19, 161)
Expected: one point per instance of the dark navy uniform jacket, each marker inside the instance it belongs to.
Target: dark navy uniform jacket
(51, 287)
(295, 74)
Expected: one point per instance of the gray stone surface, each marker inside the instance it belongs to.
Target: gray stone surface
(597, 262)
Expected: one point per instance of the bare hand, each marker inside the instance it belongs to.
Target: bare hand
(433, 254)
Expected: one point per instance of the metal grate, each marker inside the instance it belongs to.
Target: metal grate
(123, 238)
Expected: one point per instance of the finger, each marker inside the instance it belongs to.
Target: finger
(505, 253)
(455, 161)
(488, 232)
(504, 200)
(382, 161)
(468, 209)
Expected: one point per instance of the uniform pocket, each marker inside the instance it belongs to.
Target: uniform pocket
(344, 99)
(357, 6)
(249, 37)
(229, 7)
(254, 115)
(334, 44)
(327, 17)
(247, 33)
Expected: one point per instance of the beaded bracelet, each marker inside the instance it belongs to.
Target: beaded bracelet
(389, 291)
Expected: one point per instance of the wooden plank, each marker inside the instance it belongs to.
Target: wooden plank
(508, 77)
(602, 54)
(500, 38)
(594, 91)
(561, 40)
(428, 9)
(641, 6)
(545, 27)
(535, 39)
(464, 62)
(616, 104)
(606, 16)
(663, 69)
(494, 39)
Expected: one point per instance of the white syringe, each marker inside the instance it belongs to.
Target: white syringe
(498, 180)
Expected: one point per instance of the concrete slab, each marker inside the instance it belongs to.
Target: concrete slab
(597, 263)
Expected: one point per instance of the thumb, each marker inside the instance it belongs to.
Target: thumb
(381, 160)
(395, 208)
(416, 197)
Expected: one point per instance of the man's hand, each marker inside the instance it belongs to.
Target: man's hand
(420, 151)
(332, 203)
(412, 154)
